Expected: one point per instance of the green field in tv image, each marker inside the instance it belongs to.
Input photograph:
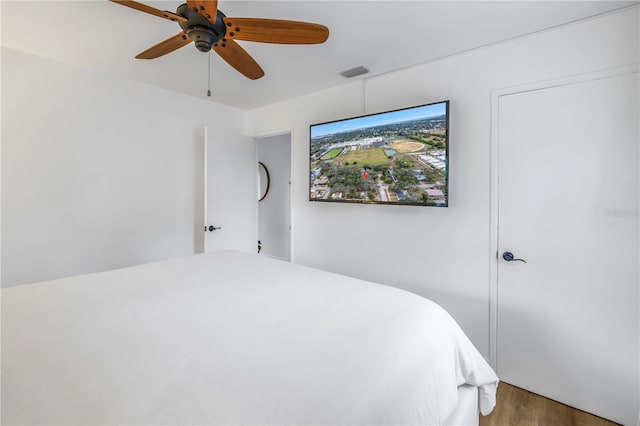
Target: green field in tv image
(395, 157)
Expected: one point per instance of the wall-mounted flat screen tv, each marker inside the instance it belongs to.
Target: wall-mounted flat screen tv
(393, 157)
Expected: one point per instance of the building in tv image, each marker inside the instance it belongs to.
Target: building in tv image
(394, 157)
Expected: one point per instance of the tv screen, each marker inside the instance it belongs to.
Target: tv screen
(393, 157)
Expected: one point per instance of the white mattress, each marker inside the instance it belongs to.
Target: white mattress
(231, 338)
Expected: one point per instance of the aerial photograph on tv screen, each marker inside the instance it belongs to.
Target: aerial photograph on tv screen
(395, 157)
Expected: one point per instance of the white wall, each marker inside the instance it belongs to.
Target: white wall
(440, 253)
(100, 172)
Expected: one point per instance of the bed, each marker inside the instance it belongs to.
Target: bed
(233, 338)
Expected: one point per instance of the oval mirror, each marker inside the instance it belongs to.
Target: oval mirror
(264, 181)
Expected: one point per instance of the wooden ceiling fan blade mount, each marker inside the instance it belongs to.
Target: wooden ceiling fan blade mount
(167, 46)
(206, 8)
(238, 58)
(276, 31)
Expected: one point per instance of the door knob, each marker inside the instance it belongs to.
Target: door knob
(508, 256)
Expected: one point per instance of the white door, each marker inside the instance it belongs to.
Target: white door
(567, 319)
(230, 183)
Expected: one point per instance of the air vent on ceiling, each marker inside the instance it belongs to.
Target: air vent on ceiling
(354, 72)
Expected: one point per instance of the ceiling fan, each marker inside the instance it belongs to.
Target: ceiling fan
(209, 28)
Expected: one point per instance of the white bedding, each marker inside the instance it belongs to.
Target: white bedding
(231, 338)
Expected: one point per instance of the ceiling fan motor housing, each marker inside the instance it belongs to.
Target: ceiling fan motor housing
(203, 33)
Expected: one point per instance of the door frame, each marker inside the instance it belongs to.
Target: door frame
(496, 94)
(256, 138)
(205, 177)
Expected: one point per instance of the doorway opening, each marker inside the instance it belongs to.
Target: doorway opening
(273, 168)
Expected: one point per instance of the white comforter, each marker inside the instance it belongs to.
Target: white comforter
(230, 338)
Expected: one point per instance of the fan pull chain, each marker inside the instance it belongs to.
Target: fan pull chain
(209, 75)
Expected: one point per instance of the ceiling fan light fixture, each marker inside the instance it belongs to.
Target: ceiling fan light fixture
(203, 37)
(200, 29)
(354, 72)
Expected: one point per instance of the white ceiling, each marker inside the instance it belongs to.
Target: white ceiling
(383, 36)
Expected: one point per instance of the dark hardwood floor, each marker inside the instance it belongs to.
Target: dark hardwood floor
(519, 407)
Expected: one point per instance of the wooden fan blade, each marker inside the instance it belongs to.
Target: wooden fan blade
(238, 58)
(276, 31)
(206, 8)
(151, 10)
(164, 47)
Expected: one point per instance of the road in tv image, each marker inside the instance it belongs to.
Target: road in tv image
(382, 159)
